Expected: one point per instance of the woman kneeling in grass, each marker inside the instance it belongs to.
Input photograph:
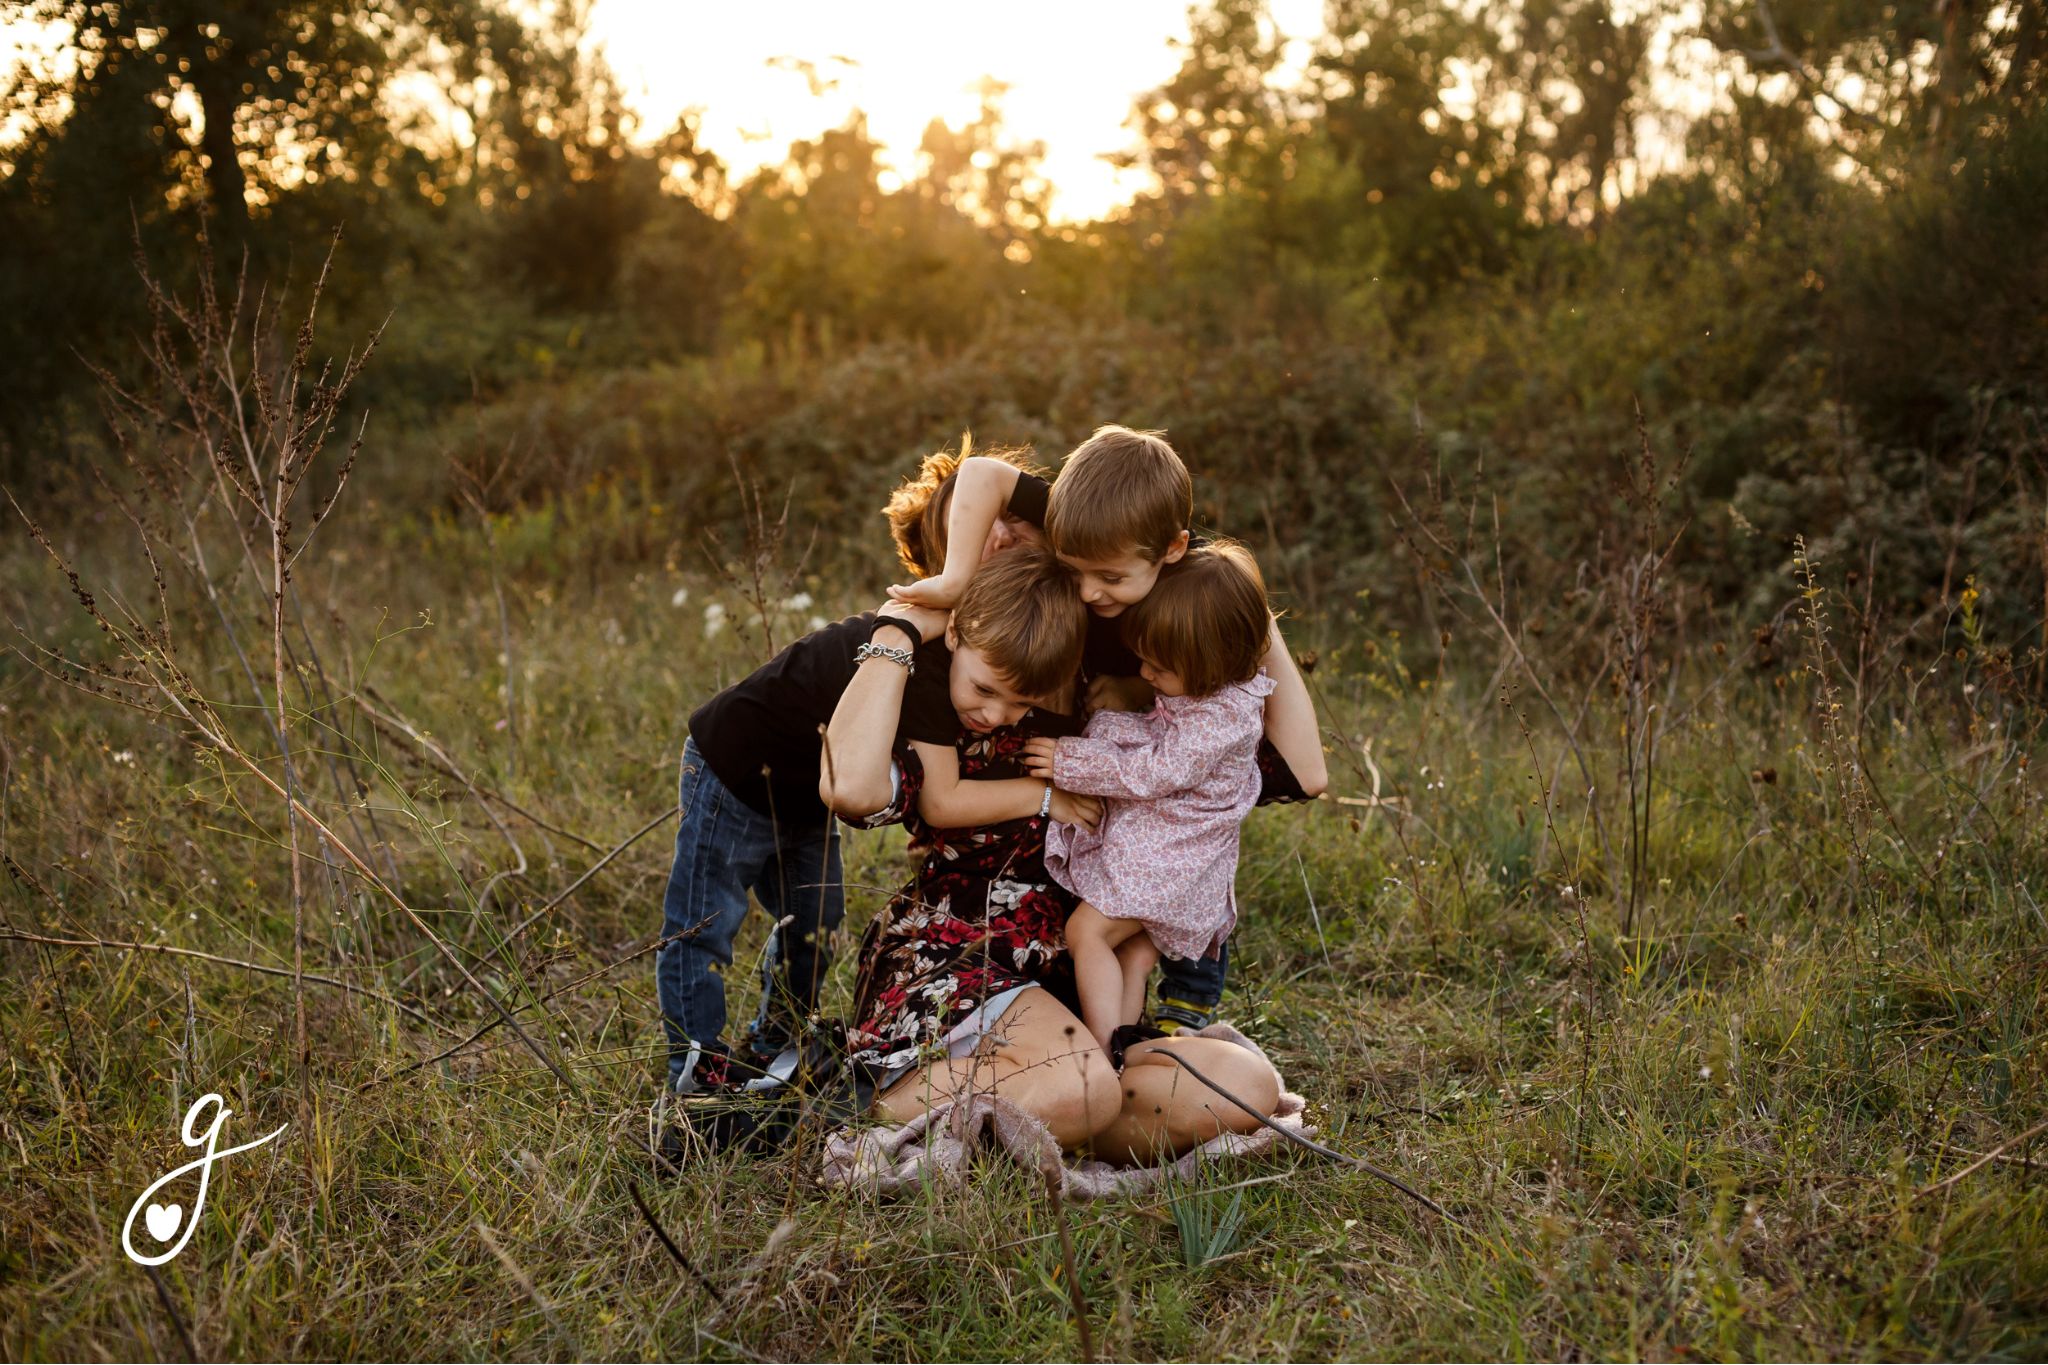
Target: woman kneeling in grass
(966, 983)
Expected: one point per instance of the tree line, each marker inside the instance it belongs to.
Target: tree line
(1805, 236)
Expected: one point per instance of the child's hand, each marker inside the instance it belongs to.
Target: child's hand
(1038, 755)
(926, 622)
(1071, 809)
(939, 592)
(1120, 694)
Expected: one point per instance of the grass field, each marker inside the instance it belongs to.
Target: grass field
(1741, 1055)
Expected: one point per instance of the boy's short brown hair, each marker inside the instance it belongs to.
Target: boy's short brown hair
(917, 510)
(1206, 618)
(1121, 492)
(1023, 610)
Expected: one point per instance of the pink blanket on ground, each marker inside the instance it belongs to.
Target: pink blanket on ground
(938, 1144)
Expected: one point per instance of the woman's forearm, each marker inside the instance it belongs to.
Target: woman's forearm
(981, 490)
(853, 771)
(967, 802)
(1291, 718)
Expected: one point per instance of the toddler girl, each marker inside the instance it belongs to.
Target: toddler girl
(1159, 874)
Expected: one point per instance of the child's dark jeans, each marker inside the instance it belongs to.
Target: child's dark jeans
(725, 848)
(1190, 989)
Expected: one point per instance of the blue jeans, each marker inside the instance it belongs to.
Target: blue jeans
(725, 848)
(1196, 980)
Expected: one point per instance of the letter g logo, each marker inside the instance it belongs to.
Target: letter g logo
(164, 1220)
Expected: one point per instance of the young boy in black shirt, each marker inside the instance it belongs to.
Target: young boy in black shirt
(754, 766)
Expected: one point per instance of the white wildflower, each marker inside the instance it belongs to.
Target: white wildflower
(816, 623)
(714, 619)
(126, 758)
(681, 598)
(800, 602)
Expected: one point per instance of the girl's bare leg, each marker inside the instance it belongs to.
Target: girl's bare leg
(1166, 1111)
(1136, 958)
(1039, 1057)
(1094, 938)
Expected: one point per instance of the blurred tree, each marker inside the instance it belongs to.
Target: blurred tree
(1438, 179)
(807, 229)
(1569, 83)
(832, 257)
(556, 158)
(1219, 120)
(236, 101)
(978, 171)
(166, 109)
(1229, 238)
(1888, 83)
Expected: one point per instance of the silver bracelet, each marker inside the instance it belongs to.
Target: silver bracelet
(871, 650)
(1045, 804)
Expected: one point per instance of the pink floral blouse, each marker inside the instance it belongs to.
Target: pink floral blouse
(1180, 779)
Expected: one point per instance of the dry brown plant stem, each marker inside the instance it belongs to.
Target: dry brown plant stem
(1298, 1140)
(314, 978)
(151, 674)
(571, 889)
(1080, 1300)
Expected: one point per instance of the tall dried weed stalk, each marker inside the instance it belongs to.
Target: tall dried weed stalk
(226, 467)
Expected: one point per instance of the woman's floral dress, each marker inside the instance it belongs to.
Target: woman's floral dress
(980, 917)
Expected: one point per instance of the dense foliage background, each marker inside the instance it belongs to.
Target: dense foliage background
(1804, 240)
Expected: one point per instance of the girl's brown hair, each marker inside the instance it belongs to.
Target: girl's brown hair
(1206, 618)
(918, 508)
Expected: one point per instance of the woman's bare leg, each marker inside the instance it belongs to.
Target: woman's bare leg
(1094, 939)
(1039, 1057)
(1165, 1111)
(1136, 958)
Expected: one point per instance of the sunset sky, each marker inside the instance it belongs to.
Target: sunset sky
(1073, 69)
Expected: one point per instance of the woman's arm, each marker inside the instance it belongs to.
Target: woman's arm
(949, 801)
(981, 490)
(1291, 724)
(853, 771)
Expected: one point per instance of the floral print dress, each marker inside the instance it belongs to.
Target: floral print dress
(981, 917)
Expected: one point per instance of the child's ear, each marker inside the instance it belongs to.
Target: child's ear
(952, 633)
(1174, 551)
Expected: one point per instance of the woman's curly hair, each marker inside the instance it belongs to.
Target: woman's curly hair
(917, 509)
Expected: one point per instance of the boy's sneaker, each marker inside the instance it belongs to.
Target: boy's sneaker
(1171, 1014)
(760, 1110)
(718, 1071)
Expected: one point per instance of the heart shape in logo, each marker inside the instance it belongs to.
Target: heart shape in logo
(163, 1220)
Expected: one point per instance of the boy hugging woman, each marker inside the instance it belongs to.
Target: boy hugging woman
(1060, 863)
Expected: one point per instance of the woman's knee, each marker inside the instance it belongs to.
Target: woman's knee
(1089, 1104)
(1238, 1074)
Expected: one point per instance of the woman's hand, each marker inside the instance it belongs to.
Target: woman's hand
(926, 622)
(937, 593)
(1070, 809)
(1038, 756)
